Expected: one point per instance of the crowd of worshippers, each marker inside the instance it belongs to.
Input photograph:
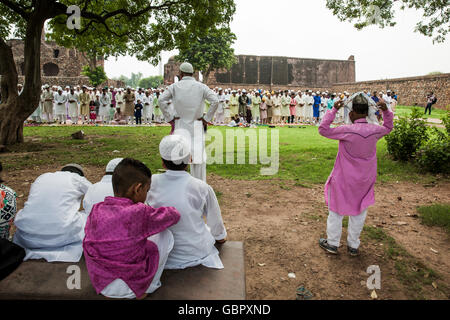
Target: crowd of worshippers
(118, 106)
(130, 226)
(88, 105)
(259, 107)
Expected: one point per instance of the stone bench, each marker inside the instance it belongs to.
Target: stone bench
(37, 279)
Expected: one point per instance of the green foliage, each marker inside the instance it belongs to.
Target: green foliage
(209, 52)
(140, 28)
(133, 81)
(408, 135)
(151, 82)
(434, 156)
(436, 215)
(434, 22)
(96, 76)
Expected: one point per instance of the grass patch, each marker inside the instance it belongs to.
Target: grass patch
(304, 155)
(403, 111)
(411, 272)
(436, 215)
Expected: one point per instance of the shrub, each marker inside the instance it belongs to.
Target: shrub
(434, 156)
(408, 135)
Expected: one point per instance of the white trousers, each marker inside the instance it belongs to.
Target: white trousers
(355, 226)
(199, 171)
(118, 289)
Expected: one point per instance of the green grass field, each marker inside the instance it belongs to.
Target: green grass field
(403, 111)
(304, 155)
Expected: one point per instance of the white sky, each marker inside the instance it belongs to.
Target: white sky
(307, 29)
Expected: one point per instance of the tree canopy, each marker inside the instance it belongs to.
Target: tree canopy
(209, 52)
(434, 22)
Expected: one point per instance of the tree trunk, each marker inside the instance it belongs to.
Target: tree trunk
(11, 123)
(15, 109)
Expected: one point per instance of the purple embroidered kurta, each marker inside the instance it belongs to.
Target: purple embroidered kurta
(116, 246)
(350, 188)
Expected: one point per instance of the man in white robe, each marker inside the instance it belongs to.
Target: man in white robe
(100, 190)
(50, 226)
(72, 99)
(105, 105)
(195, 200)
(188, 96)
(147, 102)
(60, 105)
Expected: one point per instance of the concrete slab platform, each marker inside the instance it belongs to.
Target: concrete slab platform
(40, 280)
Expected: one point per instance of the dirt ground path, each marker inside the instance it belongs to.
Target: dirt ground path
(280, 223)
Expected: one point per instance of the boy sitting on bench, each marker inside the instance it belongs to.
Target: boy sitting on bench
(195, 200)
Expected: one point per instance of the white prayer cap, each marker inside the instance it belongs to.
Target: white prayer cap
(175, 148)
(112, 165)
(318, 92)
(186, 67)
(220, 89)
(244, 91)
(389, 91)
(59, 89)
(67, 87)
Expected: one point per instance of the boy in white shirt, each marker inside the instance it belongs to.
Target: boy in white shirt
(102, 189)
(50, 226)
(195, 200)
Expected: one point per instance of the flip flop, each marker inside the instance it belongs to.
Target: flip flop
(303, 293)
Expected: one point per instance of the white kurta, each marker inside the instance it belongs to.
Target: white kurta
(50, 225)
(73, 106)
(97, 193)
(188, 96)
(194, 199)
(147, 102)
(105, 105)
(60, 103)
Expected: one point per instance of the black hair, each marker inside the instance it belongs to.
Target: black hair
(73, 170)
(361, 108)
(127, 173)
(1, 169)
(175, 167)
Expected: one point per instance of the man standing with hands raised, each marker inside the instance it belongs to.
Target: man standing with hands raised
(188, 96)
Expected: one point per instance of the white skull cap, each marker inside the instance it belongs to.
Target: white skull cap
(175, 148)
(111, 166)
(186, 67)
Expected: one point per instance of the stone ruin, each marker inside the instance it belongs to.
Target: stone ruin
(59, 65)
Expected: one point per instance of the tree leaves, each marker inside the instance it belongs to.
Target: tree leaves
(210, 51)
(434, 23)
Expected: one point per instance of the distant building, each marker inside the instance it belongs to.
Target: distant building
(276, 73)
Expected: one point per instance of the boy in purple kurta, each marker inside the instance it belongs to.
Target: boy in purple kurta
(126, 243)
(349, 190)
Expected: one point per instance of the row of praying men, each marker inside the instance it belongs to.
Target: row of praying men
(82, 105)
(133, 226)
(284, 107)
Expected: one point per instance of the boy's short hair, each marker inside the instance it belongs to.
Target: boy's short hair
(170, 165)
(129, 172)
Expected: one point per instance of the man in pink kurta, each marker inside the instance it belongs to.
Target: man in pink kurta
(349, 190)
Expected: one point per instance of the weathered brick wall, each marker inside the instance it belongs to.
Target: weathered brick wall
(411, 91)
(276, 72)
(55, 60)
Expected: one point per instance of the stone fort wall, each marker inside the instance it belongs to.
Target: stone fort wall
(411, 91)
(276, 72)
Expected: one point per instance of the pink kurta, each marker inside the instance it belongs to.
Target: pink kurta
(116, 246)
(350, 188)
